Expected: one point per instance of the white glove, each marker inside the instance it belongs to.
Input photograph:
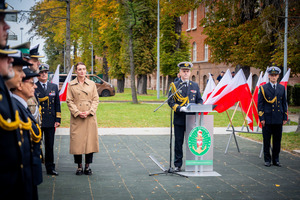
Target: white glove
(183, 109)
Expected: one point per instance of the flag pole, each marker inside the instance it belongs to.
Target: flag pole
(243, 116)
(232, 114)
(248, 113)
(256, 110)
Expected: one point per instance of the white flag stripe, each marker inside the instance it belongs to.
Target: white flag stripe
(68, 79)
(210, 86)
(223, 83)
(55, 78)
(249, 81)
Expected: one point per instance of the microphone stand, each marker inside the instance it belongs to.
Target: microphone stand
(170, 170)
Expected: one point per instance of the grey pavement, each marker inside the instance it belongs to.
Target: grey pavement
(121, 170)
(153, 131)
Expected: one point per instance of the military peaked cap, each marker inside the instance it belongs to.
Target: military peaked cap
(185, 65)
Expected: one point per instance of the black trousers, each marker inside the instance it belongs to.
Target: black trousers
(49, 135)
(88, 158)
(179, 138)
(274, 130)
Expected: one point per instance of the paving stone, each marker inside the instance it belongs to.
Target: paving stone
(121, 171)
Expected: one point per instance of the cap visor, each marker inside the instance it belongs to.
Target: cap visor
(8, 51)
(36, 56)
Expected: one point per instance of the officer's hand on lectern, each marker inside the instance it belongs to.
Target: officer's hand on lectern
(183, 109)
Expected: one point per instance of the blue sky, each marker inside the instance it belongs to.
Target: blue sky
(15, 26)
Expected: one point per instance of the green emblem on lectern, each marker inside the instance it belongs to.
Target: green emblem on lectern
(199, 141)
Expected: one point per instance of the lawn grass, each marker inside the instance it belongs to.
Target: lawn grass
(142, 115)
(126, 96)
(294, 109)
(290, 141)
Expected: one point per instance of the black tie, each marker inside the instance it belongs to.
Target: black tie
(274, 87)
(44, 85)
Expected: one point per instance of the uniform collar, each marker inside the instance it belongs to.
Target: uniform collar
(21, 100)
(46, 83)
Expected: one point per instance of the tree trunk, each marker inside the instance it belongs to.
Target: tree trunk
(142, 84)
(164, 85)
(298, 128)
(105, 69)
(178, 29)
(121, 84)
(245, 69)
(68, 40)
(132, 68)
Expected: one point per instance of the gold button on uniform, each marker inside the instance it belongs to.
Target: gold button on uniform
(21, 166)
(8, 120)
(41, 157)
(1, 97)
(20, 143)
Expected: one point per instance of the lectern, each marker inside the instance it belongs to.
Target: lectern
(199, 140)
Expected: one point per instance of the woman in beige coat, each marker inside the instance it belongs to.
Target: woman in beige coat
(82, 100)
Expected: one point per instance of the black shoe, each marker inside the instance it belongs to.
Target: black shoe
(52, 172)
(277, 164)
(267, 164)
(88, 171)
(79, 171)
(177, 169)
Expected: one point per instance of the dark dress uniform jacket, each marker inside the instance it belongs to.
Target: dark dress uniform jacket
(32, 165)
(36, 155)
(272, 112)
(11, 179)
(192, 91)
(49, 100)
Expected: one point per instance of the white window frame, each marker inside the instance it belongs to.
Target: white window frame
(195, 19)
(189, 21)
(206, 52)
(194, 51)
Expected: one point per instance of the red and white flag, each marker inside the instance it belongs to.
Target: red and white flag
(63, 91)
(265, 78)
(284, 81)
(249, 81)
(219, 88)
(55, 78)
(250, 113)
(236, 90)
(210, 86)
(255, 96)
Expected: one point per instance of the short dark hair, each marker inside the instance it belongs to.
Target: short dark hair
(79, 63)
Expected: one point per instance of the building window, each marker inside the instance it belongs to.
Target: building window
(194, 51)
(206, 9)
(194, 78)
(195, 19)
(205, 80)
(189, 20)
(206, 52)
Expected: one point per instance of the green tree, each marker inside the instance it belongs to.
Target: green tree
(248, 33)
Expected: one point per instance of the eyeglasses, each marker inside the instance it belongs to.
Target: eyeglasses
(44, 72)
(31, 82)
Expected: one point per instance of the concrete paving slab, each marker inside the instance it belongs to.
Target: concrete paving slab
(122, 167)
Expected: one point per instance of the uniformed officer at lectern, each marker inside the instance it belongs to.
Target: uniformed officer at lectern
(189, 93)
(272, 111)
(48, 96)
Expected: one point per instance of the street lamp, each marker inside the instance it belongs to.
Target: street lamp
(21, 34)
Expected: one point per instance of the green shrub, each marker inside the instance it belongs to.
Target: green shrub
(296, 94)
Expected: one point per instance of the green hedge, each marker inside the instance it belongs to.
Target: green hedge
(296, 94)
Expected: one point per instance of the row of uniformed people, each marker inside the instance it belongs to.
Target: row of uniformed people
(20, 134)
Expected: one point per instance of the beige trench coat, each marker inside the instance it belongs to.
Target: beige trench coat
(83, 132)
